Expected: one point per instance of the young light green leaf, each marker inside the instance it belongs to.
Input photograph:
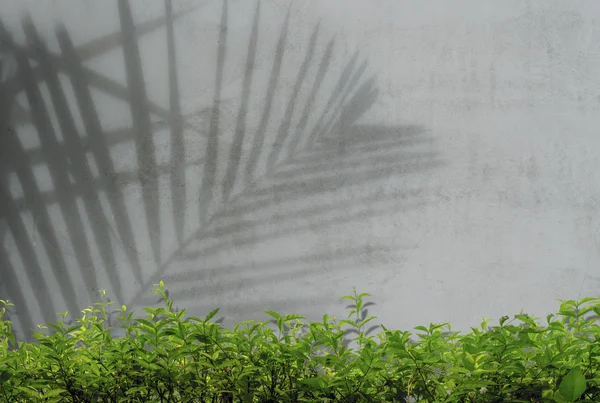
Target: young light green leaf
(211, 315)
(293, 316)
(273, 314)
(349, 323)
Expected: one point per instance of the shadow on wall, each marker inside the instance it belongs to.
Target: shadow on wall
(313, 151)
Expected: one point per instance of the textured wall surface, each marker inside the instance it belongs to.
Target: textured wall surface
(271, 155)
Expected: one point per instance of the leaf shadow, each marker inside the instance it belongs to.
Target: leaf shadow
(290, 175)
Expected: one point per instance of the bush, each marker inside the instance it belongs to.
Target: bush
(167, 357)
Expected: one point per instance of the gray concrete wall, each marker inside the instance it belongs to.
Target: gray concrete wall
(442, 156)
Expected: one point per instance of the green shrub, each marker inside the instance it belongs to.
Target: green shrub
(167, 357)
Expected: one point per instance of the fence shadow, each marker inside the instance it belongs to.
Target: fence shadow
(277, 177)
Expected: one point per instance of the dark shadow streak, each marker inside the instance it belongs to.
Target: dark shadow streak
(318, 215)
(112, 137)
(80, 170)
(8, 108)
(103, 183)
(313, 224)
(274, 270)
(366, 135)
(98, 47)
(210, 167)
(31, 266)
(342, 88)
(12, 291)
(354, 108)
(104, 84)
(235, 153)
(261, 204)
(332, 149)
(365, 96)
(145, 149)
(284, 128)
(259, 136)
(102, 45)
(365, 170)
(354, 165)
(99, 148)
(56, 164)
(342, 102)
(323, 68)
(310, 187)
(178, 186)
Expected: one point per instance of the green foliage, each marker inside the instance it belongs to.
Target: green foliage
(168, 357)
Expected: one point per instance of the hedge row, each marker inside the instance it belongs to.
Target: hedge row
(168, 357)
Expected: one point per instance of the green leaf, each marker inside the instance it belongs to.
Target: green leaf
(145, 322)
(367, 320)
(567, 312)
(349, 323)
(315, 383)
(211, 315)
(54, 392)
(28, 391)
(526, 319)
(573, 385)
(56, 327)
(273, 314)
(293, 316)
(559, 398)
(10, 337)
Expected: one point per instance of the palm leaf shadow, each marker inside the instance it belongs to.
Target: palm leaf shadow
(67, 159)
(345, 106)
(63, 160)
(304, 182)
(13, 152)
(140, 115)
(178, 188)
(295, 163)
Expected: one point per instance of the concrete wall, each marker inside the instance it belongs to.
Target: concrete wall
(271, 155)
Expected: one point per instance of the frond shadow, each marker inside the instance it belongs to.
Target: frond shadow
(291, 174)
